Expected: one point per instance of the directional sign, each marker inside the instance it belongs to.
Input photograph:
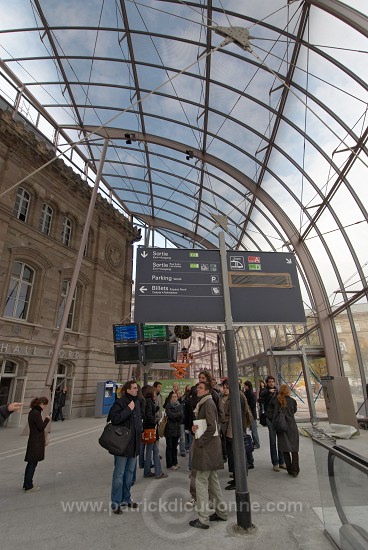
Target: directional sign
(178, 286)
(266, 289)
(185, 287)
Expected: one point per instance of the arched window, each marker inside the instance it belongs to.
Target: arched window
(66, 234)
(20, 291)
(46, 219)
(71, 317)
(22, 204)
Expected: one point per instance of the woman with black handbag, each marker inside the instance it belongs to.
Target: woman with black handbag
(283, 408)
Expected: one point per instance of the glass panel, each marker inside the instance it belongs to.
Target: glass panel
(67, 231)
(21, 204)
(349, 358)
(10, 367)
(19, 293)
(343, 490)
(45, 220)
(63, 298)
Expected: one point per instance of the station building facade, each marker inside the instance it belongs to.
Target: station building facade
(41, 224)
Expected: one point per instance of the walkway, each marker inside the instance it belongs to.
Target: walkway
(72, 508)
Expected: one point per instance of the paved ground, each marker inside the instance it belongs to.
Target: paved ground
(72, 508)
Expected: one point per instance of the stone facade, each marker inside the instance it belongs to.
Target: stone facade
(28, 243)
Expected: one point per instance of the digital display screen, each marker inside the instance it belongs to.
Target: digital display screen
(155, 332)
(157, 352)
(126, 333)
(130, 353)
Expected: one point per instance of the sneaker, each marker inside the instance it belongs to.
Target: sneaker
(191, 502)
(161, 476)
(151, 474)
(276, 468)
(282, 466)
(34, 489)
(250, 466)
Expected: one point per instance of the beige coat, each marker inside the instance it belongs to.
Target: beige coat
(207, 451)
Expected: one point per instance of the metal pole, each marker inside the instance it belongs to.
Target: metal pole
(243, 511)
(308, 387)
(78, 263)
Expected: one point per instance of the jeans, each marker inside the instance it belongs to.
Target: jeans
(276, 456)
(28, 475)
(141, 456)
(254, 430)
(230, 455)
(152, 447)
(122, 479)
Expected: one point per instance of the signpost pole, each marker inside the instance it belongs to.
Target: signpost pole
(243, 511)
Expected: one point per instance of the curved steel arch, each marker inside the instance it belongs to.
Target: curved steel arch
(338, 10)
(307, 262)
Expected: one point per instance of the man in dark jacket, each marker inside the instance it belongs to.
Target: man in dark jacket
(6, 410)
(265, 397)
(126, 412)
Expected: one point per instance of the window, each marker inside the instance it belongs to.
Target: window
(64, 294)
(46, 218)
(20, 291)
(21, 204)
(67, 231)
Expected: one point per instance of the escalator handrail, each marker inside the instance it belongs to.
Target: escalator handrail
(352, 454)
(346, 456)
(335, 451)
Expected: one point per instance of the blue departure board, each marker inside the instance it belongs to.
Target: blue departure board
(127, 333)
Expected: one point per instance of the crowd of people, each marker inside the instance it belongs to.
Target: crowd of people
(196, 423)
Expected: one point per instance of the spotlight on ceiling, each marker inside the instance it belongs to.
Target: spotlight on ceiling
(128, 139)
(189, 155)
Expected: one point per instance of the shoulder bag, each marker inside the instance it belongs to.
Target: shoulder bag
(148, 435)
(263, 419)
(279, 421)
(248, 443)
(115, 439)
(162, 425)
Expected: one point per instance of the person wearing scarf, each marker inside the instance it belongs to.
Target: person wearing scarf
(207, 459)
(174, 413)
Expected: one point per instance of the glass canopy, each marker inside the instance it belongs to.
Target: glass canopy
(253, 110)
